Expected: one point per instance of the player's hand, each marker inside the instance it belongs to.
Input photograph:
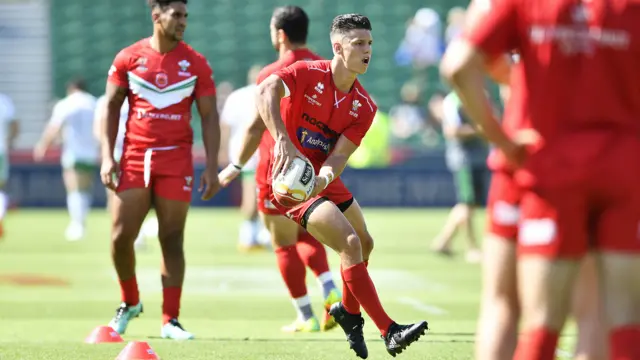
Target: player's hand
(319, 185)
(283, 154)
(228, 174)
(109, 173)
(209, 183)
(517, 153)
(38, 153)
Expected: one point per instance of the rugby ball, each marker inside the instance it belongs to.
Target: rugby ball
(294, 185)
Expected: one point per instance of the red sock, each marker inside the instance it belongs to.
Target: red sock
(360, 284)
(624, 343)
(292, 270)
(129, 293)
(349, 302)
(538, 344)
(171, 303)
(312, 253)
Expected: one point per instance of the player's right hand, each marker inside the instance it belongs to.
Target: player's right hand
(283, 154)
(109, 173)
(228, 174)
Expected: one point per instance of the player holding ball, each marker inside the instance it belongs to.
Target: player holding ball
(325, 114)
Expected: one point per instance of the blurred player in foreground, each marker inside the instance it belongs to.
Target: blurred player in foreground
(294, 246)
(580, 194)
(237, 114)
(496, 337)
(150, 226)
(9, 129)
(161, 76)
(319, 109)
(74, 115)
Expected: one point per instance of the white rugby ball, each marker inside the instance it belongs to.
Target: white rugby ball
(294, 185)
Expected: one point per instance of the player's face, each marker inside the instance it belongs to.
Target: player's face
(356, 50)
(173, 20)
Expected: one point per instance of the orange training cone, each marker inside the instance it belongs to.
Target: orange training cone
(103, 334)
(137, 350)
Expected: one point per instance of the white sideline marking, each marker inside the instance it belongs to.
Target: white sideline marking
(266, 281)
(419, 305)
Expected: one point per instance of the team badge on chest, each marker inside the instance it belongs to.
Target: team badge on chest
(162, 80)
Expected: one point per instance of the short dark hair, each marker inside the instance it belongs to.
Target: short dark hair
(77, 83)
(163, 3)
(346, 22)
(293, 21)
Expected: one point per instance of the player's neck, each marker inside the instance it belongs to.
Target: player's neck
(285, 49)
(343, 78)
(162, 44)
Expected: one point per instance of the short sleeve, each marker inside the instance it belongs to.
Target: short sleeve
(294, 76)
(230, 105)
(497, 32)
(7, 109)
(205, 85)
(58, 115)
(118, 70)
(356, 132)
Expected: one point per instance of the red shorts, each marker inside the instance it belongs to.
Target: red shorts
(263, 183)
(336, 192)
(503, 205)
(584, 198)
(168, 172)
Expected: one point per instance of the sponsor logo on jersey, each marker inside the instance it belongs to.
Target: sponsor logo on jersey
(580, 37)
(162, 80)
(152, 115)
(314, 140)
(312, 99)
(184, 65)
(320, 125)
(319, 87)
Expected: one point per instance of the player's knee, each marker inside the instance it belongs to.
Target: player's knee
(353, 245)
(171, 242)
(122, 237)
(366, 242)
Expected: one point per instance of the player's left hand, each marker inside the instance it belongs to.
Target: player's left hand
(319, 185)
(228, 174)
(209, 184)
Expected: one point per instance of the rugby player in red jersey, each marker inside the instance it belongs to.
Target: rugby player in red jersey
(294, 247)
(319, 109)
(496, 335)
(579, 82)
(161, 76)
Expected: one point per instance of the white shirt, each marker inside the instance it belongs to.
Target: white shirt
(7, 116)
(75, 114)
(122, 127)
(238, 112)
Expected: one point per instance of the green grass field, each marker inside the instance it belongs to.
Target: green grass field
(234, 303)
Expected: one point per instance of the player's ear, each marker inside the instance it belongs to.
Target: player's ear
(281, 36)
(337, 48)
(155, 16)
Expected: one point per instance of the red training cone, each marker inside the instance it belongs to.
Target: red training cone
(103, 334)
(137, 350)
